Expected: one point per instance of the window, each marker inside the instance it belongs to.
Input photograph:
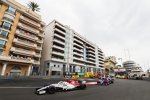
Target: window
(1, 51)
(6, 25)
(8, 19)
(2, 43)
(58, 65)
(3, 33)
(54, 65)
(47, 65)
(11, 10)
(55, 73)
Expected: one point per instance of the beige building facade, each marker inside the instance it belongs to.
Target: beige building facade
(21, 39)
(110, 63)
(66, 51)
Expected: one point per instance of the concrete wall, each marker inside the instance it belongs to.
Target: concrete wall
(47, 45)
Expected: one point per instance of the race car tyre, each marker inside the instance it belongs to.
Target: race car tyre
(83, 86)
(51, 90)
(37, 92)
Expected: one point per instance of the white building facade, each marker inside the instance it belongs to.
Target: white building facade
(65, 51)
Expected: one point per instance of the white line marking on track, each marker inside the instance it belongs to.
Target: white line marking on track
(16, 87)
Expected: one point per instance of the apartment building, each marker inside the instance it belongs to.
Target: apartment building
(66, 51)
(21, 39)
(109, 64)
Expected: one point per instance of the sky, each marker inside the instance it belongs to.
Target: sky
(120, 28)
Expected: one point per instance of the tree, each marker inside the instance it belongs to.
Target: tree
(34, 6)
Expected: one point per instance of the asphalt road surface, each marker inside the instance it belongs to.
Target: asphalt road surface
(120, 90)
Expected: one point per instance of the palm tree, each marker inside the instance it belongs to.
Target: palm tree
(34, 6)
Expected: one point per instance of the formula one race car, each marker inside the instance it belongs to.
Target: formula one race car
(105, 81)
(61, 86)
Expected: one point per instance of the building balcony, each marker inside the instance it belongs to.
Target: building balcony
(90, 58)
(29, 21)
(41, 29)
(39, 48)
(30, 29)
(21, 59)
(58, 53)
(24, 43)
(41, 34)
(79, 59)
(91, 55)
(60, 42)
(101, 63)
(9, 15)
(37, 55)
(77, 49)
(101, 57)
(60, 26)
(57, 60)
(77, 63)
(91, 49)
(78, 54)
(78, 41)
(5, 57)
(90, 62)
(22, 51)
(40, 41)
(26, 35)
(61, 32)
(36, 62)
(91, 52)
(58, 47)
(80, 38)
(75, 44)
(59, 36)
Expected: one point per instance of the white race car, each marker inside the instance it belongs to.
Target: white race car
(61, 86)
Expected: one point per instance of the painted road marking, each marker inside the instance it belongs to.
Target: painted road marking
(15, 87)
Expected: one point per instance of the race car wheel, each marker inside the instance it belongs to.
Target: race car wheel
(83, 86)
(37, 92)
(51, 90)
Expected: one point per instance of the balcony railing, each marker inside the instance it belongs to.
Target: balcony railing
(26, 27)
(58, 47)
(78, 41)
(9, 13)
(24, 43)
(40, 41)
(36, 62)
(77, 49)
(21, 59)
(39, 48)
(59, 31)
(60, 26)
(57, 59)
(59, 36)
(58, 53)
(60, 42)
(78, 54)
(22, 51)
(37, 55)
(41, 34)
(27, 35)
(78, 45)
(30, 21)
